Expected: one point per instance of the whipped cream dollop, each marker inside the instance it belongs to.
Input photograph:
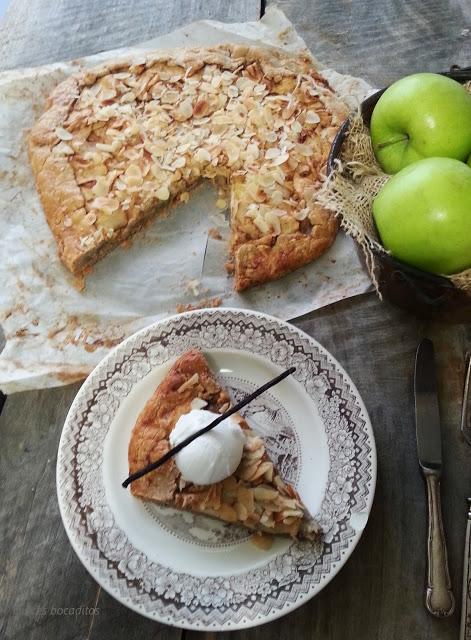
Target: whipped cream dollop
(213, 456)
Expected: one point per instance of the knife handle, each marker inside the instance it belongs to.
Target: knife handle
(439, 597)
(465, 629)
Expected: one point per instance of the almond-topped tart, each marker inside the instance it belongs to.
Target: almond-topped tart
(119, 141)
(225, 473)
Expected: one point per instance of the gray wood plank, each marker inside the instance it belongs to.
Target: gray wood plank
(381, 41)
(44, 590)
(37, 32)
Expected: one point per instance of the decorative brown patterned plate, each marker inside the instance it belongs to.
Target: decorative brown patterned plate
(192, 571)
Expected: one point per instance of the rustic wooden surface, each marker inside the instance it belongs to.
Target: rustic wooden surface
(379, 593)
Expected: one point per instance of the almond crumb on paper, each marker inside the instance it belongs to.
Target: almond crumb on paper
(207, 303)
(214, 234)
(263, 541)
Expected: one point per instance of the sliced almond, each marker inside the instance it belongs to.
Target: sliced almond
(63, 134)
(202, 155)
(163, 193)
(262, 469)
(312, 117)
(261, 224)
(63, 149)
(191, 382)
(265, 494)
(274, 221)
(184, 110)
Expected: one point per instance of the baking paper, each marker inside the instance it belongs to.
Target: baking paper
(56, 334)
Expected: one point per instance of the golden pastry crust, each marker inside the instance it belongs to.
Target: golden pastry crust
(119, 141)
(254, 496)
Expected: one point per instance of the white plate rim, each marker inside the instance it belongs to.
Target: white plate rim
(275, 614)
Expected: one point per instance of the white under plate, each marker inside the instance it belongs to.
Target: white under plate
(191, 571)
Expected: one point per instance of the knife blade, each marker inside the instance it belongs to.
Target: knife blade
(439, 599)
(427, 413)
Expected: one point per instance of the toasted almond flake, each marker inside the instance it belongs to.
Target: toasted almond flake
(304, 149)
(101, 187)
(292, 513)
(271, 136)
(108, 148)
(277, 197)
(302, 214)
(184, 110)
(262, 469)
(272, 153)
(274, 221)
(109, 204)
(179, 163)
(170, 97)
(64, 149)
(108, 94)
(127, 97)
(267, 519)
(289, 110)
(259, 89)
(133, 170)
(283, 157)
(269, 473)
(202, 155)
(191, 382)
(265, 494)
(261, 224)
(312, 117)
(63, 134)
(233, 151)
(163, 193)
(90, 218)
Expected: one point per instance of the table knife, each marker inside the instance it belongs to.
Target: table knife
(438, 597)
(465, 629)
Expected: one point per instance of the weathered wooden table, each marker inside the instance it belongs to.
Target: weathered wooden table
(379, 593)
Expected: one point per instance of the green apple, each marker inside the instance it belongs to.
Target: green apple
(423, 215)
(421, 116)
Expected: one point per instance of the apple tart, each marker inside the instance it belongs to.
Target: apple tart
(117, 142)
(254, 496)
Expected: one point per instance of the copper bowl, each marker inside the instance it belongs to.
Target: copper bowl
(424, 294)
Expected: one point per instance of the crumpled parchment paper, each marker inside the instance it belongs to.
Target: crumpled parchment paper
(54, 333)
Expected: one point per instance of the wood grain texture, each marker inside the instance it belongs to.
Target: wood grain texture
(382, 41)
(37, 32)
(379, 594)
(44, 590)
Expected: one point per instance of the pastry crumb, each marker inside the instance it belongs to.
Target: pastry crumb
(214, 234)
(207, 303)
(263, 541)
(194, 287)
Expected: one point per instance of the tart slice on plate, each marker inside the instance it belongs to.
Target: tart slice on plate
(253, 495)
